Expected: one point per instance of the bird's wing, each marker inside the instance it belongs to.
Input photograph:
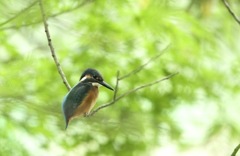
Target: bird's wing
(74, 98)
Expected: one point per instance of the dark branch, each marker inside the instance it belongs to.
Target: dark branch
(230, 11)
(235, 150)
(127, 93)
(51, 46)
(142, 66)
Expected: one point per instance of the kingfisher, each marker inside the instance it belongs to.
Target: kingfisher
(82, 97)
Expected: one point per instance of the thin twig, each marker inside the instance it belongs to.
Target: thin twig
(53, 15)
(235, 150)
(21, 26)
(19, 14)
(51, 46)
(129, 92)
(116, 87)
(230, 11)
(146, 85)
(75, 8)
(114, 98)
(142, 66)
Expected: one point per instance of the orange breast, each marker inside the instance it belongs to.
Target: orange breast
(87, 104)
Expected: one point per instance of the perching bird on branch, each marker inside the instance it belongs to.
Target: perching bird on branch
(82, 97)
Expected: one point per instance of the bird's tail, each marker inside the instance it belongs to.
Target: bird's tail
(67, 121)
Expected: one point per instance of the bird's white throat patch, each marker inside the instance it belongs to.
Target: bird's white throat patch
(96, 84)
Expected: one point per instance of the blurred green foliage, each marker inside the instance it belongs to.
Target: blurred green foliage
(111, 36)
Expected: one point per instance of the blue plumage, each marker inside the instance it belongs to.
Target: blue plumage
(82, 97)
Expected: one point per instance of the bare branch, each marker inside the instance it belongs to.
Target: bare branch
(51, 46)
(231, 12)
(116, 87)
(146, 85)
(38, 21)
(19, 14)
(142, 66)
(235, 150)
(75, 8)
(127, 93)
(110, 103)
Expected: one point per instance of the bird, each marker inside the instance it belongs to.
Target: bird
(82, 97)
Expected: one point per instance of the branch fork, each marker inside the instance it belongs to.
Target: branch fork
(118, 78)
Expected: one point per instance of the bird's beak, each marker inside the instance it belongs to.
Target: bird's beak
(106, 85)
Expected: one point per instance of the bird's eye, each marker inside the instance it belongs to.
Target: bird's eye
(97, 78)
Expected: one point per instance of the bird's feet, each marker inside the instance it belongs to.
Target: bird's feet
(85, 114)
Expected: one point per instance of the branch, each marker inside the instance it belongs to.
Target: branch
(142, 66)
(230, 11)
(146, 85)
(19, 14)
(74, 8)
(116, 87)
(51, 46)
(108, 104)
(235, 150)
(127, 93)
(38, 21)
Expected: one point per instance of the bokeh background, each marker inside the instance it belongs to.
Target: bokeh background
(194, 113)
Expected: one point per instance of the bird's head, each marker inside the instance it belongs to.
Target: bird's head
(93, 76)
